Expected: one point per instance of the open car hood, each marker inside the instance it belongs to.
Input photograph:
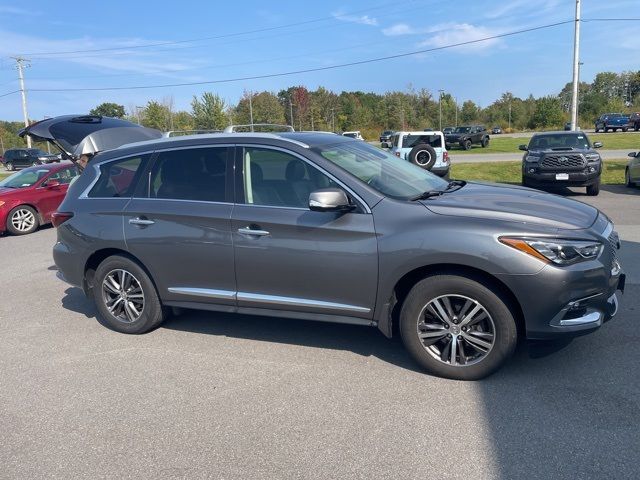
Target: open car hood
(76, 135)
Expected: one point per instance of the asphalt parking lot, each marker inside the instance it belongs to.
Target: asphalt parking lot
(221, 396)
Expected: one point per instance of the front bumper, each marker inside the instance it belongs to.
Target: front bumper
(548, 178)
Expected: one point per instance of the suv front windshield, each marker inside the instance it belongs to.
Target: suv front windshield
(23, 179)
(462, 130)
(382, 171)
(560, 140)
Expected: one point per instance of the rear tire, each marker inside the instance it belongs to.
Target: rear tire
(593, 189)
(480, 349)
(9, 166)
(606, 130)
(423, 155)
(485, 142)
(125, 296)
(625, 130)
(466, 145)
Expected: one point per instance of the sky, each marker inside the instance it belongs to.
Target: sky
(118, 44)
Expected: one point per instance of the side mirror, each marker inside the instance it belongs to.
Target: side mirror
(330, 200)
(597, 144)
(52, 184)
(522, 147)
(633, 154)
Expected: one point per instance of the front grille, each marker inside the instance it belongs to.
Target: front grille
(569, 161)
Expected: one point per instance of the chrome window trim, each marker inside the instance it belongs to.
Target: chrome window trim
(309, 162)
(268, 299)
(178, 200)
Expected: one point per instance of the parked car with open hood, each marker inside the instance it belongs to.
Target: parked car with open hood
(321, 227)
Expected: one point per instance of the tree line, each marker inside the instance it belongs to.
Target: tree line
(411, 109)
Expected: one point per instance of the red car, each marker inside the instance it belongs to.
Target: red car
(30, 196)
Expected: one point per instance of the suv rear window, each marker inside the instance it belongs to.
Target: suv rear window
(410, 141)
(119, 178)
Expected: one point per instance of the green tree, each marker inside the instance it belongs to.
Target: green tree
(209, 112)
(156, 115)
(266, 109)
(548, 113)
(108, 109)
(469, 112)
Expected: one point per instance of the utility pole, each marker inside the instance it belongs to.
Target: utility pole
(455, 99)
(291, 111)
(440, 108)
(576, 69)
(21, 63)
(509, 116)
(333, 120)
(251, 108)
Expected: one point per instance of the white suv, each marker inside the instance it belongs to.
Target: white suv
(424, 149)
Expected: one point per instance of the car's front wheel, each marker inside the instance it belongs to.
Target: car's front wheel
(9, 166)
(466, 145)
(593, 189)
(485, 142)
(126, 297)
(627, 178)
(456, 327)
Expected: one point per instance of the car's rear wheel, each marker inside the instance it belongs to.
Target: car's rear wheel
(9, 166)
(625, 129)
(606, 130)
(627, 178)
(466, 145)
(22, 220)
(455, 327)
(485, 142)
(423, 155)
(34, 164)
(126, 297)
(593, 189)
(597, 130)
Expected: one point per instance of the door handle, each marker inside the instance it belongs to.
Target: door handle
(143, 222)
(251, 232)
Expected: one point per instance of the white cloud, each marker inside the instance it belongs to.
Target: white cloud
(452, 34)
(5, 9)
(522, 5)
(360, 19)
(399, 29)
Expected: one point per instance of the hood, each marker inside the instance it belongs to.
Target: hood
(76, 135)
(514, 204)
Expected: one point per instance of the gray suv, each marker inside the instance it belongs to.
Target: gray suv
(327, 228)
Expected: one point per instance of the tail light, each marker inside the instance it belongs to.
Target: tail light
(446, 157)
(58, 218)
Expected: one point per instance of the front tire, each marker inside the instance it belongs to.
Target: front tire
(485, 142)
(627, 179)
(455, 327)
(466, 145)
(593, 189)
(9, 166)
(22, 220)
(125, 296)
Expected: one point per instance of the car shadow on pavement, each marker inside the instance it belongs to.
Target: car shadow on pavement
(620, 189)
(76, 301)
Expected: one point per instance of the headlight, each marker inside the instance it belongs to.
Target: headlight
(592, 157)
(532, 158)
(560, 252)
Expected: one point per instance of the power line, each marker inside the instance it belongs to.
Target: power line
(308, 70)
(235, 34)
(9, 93)
(611, 20)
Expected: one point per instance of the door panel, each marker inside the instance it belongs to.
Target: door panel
(298, 259)
(182, 230)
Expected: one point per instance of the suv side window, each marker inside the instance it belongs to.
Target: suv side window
(197, 174)
(279, 179)
(119, 178)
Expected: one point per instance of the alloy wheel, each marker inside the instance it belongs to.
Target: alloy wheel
(456, 330)
(23, 220)
(122, 295)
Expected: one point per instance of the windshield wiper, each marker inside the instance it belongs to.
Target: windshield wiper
(452, 186)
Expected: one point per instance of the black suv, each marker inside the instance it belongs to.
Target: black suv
(26, 157)
(385, 137)
(565, 159)
(467, 136)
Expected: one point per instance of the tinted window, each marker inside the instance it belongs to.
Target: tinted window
(25, 178)
(276, 178)
(571, 140)
(197, 174)
(411, 141)
(118, 179)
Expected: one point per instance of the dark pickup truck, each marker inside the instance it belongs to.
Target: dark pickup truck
(612, 121)
(467, 136)
(562, 159)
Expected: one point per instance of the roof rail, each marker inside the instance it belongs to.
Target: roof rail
(180, 133)
(260, 127)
